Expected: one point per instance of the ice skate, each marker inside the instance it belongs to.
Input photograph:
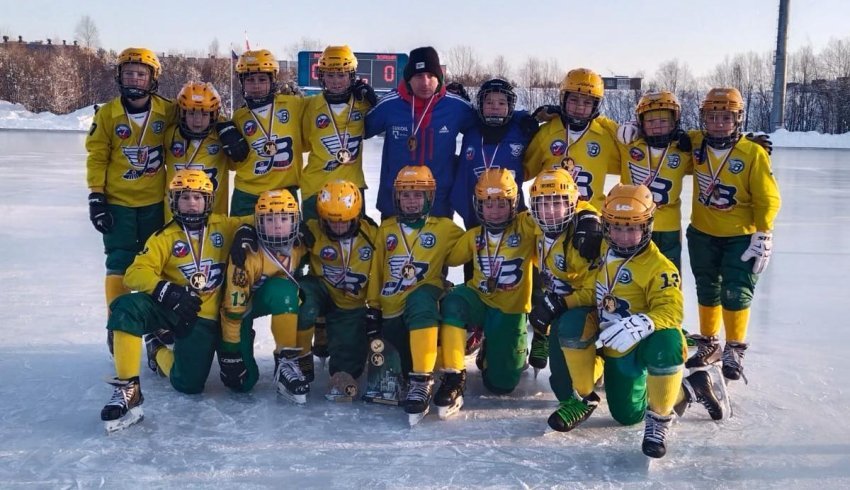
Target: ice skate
(307, 366)
(538, 358)
(708, 353)
(417, 404)
(655, 434)
(291, 383)
(125, 407)
(572, 412)
(320, 343)
(153, 342)
(449, 397)
(733, 361)
(698, 388)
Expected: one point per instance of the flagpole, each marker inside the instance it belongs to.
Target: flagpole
(231, 79)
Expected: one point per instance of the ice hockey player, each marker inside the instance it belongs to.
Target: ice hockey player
(406, 283)
(421, 123)
(124, 165)
(341, 245)
(496, 298)
(264, 284)
(730, 238)
(179, 274)
(271, 123)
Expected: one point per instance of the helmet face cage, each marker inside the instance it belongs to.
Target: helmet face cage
(188, 133)
(414, 216)
(198, 97)
(479, 205)
(499, 86)
(139, 56)
(725, 141)
(579, 121)
(190, 219)
(542, 208)
(627, 251)
(259, 100)
(279, 241)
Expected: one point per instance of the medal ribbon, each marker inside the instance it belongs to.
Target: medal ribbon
(543, 267)
(273, 257)
(271, 123)
(714, 174)
(417, 125)
(144, 125)
(346, 260)
(196, 258)
(489, 164)
(653, 174)
(342, 138)
(570, 144)
(609, 284)
(491, 259)
(407, 248)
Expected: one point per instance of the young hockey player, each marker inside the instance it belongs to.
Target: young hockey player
(730, 239)
(193, 142)
(342, 246)
(496, 298)
(271, 123)
(124, 164)
(406, 283)
(421, 123)
(333, 126)
(179, 275)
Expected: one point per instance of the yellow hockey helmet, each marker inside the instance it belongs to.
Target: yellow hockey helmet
(186, 181)
(554, 196)
(337, 58)
(414, 178)
(142, 56)
(659, 101)
(585, 82)
(198, 96)
(257, 61)
(277, 218)
(628, 205)
(496, 184)
(339, 201)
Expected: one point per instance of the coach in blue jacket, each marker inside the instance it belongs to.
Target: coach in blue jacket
(420, 122)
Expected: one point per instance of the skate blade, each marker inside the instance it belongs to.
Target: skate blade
(446, 412)
(132, 417)
(414, 418)
(536, 372)
(292, 397)
(338, 398)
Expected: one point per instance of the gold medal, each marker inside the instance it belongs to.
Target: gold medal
(609, 303)
(270, 147)
(411, 143)
(408, 271)
(142, 155)
(377, 345)
(376, 359)
(343, 156)
(568, 164)
(198, 280)
(492, 283)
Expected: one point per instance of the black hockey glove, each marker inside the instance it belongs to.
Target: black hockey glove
(182, 301)
(244, 239)
(683, 141)
(528, 126)
(99, 214)
(546, 113)
(233, 371)
(458, 89)
(374, 318)
(364, 91)
(305, 236)
(232, 141)
(763, 140)
(546, 309)
(588, 236)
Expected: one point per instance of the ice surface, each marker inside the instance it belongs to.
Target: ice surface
(790, 428)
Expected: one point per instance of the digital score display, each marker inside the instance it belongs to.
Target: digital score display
(380, 70)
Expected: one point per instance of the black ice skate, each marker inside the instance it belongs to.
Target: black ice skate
(449, 397)
(307, 366)
(698, 388)
(708, 352)
(418, 401)
(320, 340)
(291, 383)
(153, 342)
(480, 355)
(538, 358)
(125, 407)
(733, 361)
(655, 434)
(572, 412)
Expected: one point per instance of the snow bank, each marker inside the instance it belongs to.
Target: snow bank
(15, 116)
(809, 139)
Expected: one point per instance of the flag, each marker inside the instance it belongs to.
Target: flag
(247, 45)
(233, 55)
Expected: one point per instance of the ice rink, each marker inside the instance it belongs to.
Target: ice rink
(790, 429)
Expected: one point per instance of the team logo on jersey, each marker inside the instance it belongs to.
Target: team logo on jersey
(276, 153)
(558, 148)
(180, 249)
(625, 276)
(699, 156)
(392, 242)
(636, 154)
(516, 149)
(323, 121)
(157, 127)
(513, 240)
(217, 240)
(736, 166)
(593, 149)
(328, 253)
(145, 161)
(400, 132)
(239, 277)
(403, 275)
(282, 116)
(444, 130)
(250, 127)
(560, 262)
(214, 273)
(213, 149)
(177, 149)
(427, 240)
(365, 253)
(479, 242)
(470, 153)
(356, 116)
(122, 131)
(673, 161)
(332, 145)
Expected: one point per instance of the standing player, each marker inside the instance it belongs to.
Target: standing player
(730, 239)
(271, 123)
(124, 165)
(264, 284)
(179, 275)
(406, 284)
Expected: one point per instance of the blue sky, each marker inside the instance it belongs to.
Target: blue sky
(612, 37)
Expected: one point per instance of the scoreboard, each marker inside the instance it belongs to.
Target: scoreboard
(380, 70)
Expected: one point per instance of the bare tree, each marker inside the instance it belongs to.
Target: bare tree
(86, 33)
(214, 47)
(500, 68)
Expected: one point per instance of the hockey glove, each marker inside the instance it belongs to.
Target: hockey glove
(588, 236)
(244, 239)
(232, 141)
(458, 89)
(761, 247)
(374, 319)
(232, 367)
(763, 140)
(305, 236)
(628, 132)
(99, 214)
(291, 88)
(528, 126)
(364, 91)
(683, 141)
(182, 301)
(546, 113)
(623, 334)
(545, 310)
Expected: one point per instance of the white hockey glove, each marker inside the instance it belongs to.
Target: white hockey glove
(761, 246)
(628, 132)
(623, 334)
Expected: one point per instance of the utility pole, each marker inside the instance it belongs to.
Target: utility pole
(777, 114)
